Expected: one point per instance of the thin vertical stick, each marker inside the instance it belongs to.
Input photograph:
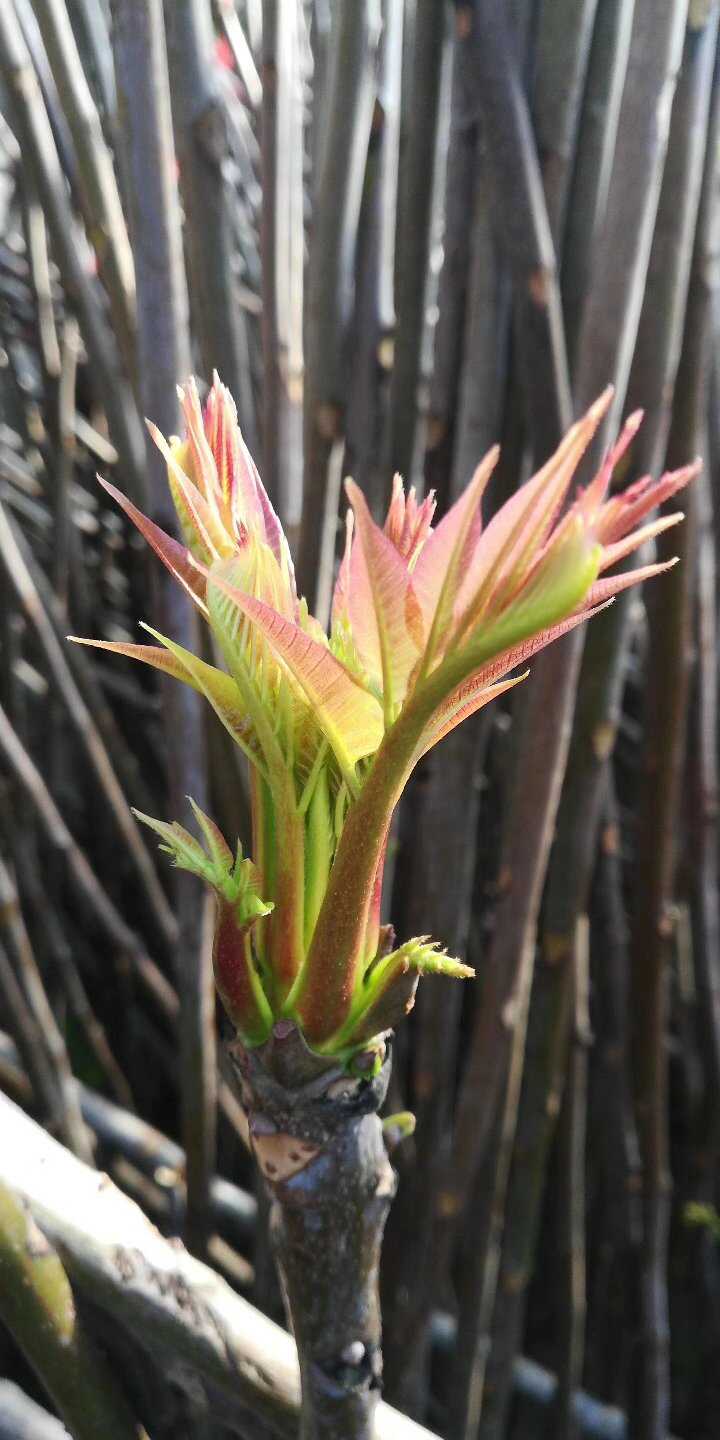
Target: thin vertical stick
(282, 246)
(65, 462)
(706, 791)
(444, 808)
(242, 54)
(616, 1163)
(455, 284)
(36, 242)
(164, 359)
(414, 236)
(340, 174)
(563, 46)
(572, 1134)
(374, 319)
(201, 140)
(594, 155)
(524, 228)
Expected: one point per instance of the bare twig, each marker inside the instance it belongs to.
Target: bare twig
(341, 172)
(20, 575)
(201, 143)
(282, 242)
(65, 462)
(81, 874)
(97, 189)
(455, 284)
(595, 150)
(141, 70)
(571, 1243)
(242, 54)
(413, 240)
(602, 676)
(523, 227)
(64, 1105)
(563, 46)
(516, 920)
(36, 241)
(35, 136)
(373, 325)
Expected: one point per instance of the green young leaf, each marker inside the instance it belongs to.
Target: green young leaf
(235, 880)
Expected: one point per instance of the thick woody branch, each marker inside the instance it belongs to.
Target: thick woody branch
(37, 1304)
(189, 1317)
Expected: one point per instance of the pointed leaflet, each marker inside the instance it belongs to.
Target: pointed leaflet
(205, 476)
(350, 718)
(596, 491)
(186, 851)
(446, 555)
(175, 556)
(621, 548)
(508, 547)
(198, 515)
(180, 450)
(558, 588)
(149, 655)
(217, 845)
(494, 669)
(220, 689)
(408, 524)
(622, 512)
(217, 687)
(606, 589)
(390, 599)
(465, 701)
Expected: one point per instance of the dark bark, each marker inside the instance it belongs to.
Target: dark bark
(282, 243)
(614, 1158)
(98, 192)
(374, 319)
(201, 142)
(34, 133)
(563, 46)
(413, 243)
(141, 70)
(669, 661)
(339, 181)
(594, 155)
(318, 1142)
(455, 282)
(523, 226)
(444, 813)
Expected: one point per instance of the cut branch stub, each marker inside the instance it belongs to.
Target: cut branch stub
(318, 1141)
